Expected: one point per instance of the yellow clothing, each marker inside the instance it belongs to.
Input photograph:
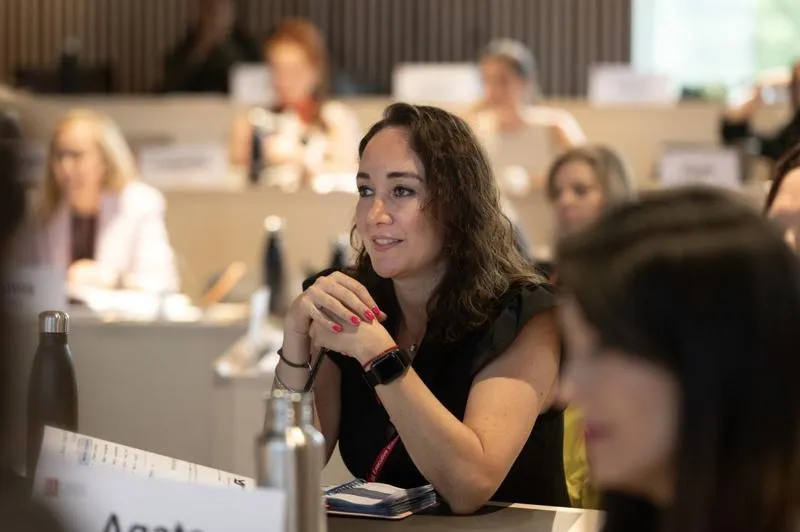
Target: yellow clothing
(581, 493)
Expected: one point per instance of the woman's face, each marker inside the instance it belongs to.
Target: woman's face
(77, 163)
(630, 407)
(502, 85)
(577, 196)
(294, 77)
(398, 233)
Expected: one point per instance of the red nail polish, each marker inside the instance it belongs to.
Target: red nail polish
(369, 315)
(337, 328)
(355, 320)
(376, 311)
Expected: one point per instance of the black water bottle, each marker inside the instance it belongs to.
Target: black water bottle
(256, 157)
(273, 273)
(52, 388)
(339, 255)
(68, 66)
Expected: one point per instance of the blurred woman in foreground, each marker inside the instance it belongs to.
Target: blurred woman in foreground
(680, 321)
(17, 511)
(95, 218)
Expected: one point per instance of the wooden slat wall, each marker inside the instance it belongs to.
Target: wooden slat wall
(366, 37)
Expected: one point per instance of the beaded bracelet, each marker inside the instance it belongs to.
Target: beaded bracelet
(280, 385)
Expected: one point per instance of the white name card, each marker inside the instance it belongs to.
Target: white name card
(621, 84)
(251, 84)
(436, 82)
(700, 165)
(96, 499)
(185, 165)
(29, 290)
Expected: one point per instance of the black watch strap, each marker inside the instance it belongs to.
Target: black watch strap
(388, 368)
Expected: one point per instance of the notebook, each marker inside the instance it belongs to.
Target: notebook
(359, 498)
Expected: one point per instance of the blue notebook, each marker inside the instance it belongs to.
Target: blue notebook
(372, 499)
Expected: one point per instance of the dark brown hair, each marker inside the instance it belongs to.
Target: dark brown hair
(307, 36)
(787, 163)
(479, 245)
(608, 167)
(696, 281)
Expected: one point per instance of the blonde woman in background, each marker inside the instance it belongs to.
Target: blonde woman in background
(582, 184)
(94, 217)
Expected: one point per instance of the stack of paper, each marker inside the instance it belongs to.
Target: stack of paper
(371, 499)
(64, 447)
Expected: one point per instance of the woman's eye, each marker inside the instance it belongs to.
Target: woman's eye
(581, 190)
(402, 192)
(364, 191)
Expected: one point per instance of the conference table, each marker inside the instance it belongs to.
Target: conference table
(494, 517)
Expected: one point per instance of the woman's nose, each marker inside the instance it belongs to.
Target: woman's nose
(378, 213)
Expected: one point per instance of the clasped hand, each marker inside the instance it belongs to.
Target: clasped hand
(338, 313)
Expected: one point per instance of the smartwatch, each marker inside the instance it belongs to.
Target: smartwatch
(388, 368)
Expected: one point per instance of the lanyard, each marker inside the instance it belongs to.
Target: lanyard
(380, 462)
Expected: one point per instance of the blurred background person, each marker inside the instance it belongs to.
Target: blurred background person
(304, 129)
(679, 319)
(581, 185)
(95, 218)
(783, 199)
(736, 123)
(202, 60)
(521, 136)
(17, 512)
(585, 181)
(472, 415)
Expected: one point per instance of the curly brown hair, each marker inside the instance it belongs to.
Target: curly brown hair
(479, 245)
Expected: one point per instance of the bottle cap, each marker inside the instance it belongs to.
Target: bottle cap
(273, 224)
(54, 322)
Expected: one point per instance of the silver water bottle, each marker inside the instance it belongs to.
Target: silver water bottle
(290, 455)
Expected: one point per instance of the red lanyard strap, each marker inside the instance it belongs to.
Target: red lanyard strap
(380, 461)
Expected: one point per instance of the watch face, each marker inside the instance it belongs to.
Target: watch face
(388, 368)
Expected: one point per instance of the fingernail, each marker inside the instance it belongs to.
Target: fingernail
(337, 328)
(369, 315)
(355, 320)
(376, 311)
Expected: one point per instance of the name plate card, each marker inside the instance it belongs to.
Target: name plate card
(436, 82)
(185, 165)
(701, 165)
(94, 485)
(612, 84)
(251, 84)
(29, 290)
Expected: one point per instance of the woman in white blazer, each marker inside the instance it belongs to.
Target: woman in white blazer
(94, 217)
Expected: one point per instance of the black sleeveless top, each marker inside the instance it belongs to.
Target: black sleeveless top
(448, 369)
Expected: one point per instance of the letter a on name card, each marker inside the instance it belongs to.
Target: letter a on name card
(103, 500)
